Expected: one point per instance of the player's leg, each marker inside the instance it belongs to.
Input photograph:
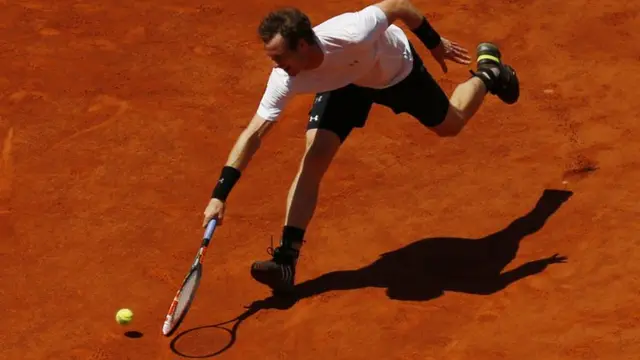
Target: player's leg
(421, 96)
(321, 147)
(331, 119)
(465, 101)
(491, 76)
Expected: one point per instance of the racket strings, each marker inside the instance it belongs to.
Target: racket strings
(185, 294)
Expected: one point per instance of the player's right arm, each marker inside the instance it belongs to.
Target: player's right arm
(238, 159)
(248, 143)
(273, 101)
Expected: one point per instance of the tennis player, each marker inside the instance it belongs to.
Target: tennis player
(350, 62)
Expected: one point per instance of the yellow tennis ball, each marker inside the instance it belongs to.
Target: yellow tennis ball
(124, 316)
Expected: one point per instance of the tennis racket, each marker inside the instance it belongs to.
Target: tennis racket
(185, 295)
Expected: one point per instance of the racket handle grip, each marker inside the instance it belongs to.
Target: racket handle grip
(209, 230)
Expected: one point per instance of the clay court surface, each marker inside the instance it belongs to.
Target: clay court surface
(116, 116)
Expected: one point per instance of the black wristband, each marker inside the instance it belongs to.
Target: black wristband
(228, 179)
(427, 34)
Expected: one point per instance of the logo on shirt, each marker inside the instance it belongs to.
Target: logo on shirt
(313, 118)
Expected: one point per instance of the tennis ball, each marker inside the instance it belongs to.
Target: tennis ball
(124, 316)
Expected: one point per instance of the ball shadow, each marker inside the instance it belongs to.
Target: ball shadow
(133, 334)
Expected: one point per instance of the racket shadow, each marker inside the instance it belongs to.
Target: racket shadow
(272, 302)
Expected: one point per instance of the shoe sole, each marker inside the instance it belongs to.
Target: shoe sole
(511, 92)
(277, 286)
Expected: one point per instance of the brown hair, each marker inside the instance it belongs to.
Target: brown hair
(291, 23)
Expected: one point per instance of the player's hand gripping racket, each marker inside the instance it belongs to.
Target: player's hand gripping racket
(185, 295)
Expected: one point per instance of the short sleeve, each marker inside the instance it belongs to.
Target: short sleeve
(369, 24)
(275, 97)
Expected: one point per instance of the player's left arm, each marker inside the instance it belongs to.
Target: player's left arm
(405, 11)
(441, 48)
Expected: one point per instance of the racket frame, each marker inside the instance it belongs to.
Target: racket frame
(171, 324)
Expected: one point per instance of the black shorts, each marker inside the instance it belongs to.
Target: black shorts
(348, 107)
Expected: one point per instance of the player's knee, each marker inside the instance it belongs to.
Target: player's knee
(317, 157)
(452, 124)
(321, 148)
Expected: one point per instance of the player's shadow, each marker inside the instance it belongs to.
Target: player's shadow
(427, 268)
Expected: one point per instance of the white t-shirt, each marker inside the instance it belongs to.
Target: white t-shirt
(359, 48)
